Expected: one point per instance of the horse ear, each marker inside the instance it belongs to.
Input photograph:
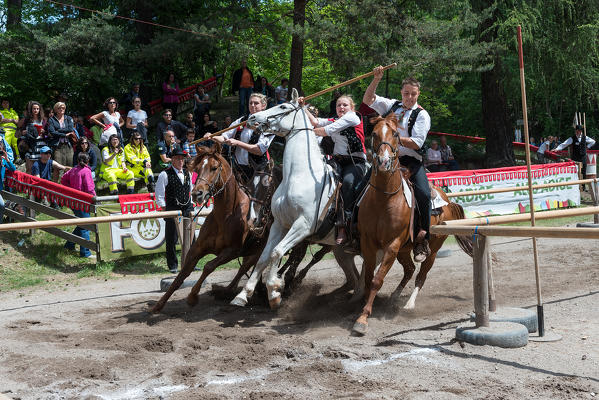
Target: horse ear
(392, 120)
(375, 120)
(294, 95)
(217, 147)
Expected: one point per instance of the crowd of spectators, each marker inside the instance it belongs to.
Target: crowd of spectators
(244, 83)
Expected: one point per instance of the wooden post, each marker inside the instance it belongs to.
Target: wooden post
(492, 301)
(185, 238)
(480, 281)
(595, 191)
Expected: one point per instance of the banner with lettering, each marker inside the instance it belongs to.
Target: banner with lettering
(511, 202)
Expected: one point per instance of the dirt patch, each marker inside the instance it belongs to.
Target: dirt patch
(97, 340)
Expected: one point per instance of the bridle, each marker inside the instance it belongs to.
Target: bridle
(281, 114)
(394, 160)
(212, 185)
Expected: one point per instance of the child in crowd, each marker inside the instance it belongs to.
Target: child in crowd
(190, 149)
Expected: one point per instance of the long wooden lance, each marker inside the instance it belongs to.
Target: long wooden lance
(540, 318)
(328, 90)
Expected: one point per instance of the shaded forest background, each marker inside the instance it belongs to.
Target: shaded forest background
(464, 52)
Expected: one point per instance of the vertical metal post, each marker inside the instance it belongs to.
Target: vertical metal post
(480, 281)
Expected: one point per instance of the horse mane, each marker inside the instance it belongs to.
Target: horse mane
(214, 151)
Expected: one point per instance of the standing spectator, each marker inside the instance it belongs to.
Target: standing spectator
(262, 86)
(173, 192)
(166, 148)
(44, 167)
(168, 123)
(190, 149)
(109, 120)
(542, 148)
(138, 160)
(80, 178)
(170, 94)
(5, 164)
(433, 157)
(113, 166)
(447, 155)
(83, 146)
(34, 135)
(62, 134)
(281, 91)
(129, 98)
(201, 103)
(243, 82)
(137, 120)
(9, 119)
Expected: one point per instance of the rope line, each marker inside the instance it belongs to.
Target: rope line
(129, 19)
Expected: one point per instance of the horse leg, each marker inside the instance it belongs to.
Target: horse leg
(276, 234)
(194, 254)
(372, 289)
(275, 285)
(346, 262)
(223, 257)
(406, 262)
(420, 278)
(229, 290)
(315, 259)
(295, 258)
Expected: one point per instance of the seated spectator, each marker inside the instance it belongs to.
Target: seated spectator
(44, 167)
(80, 178)
(166, 148)
(113, 166)
(33, 134)
(190, 149)
(433, 157)
(447, 155)
(5, 165)
(62, 135)
(109, 120)
(201, 103)
(138, 160)
(168, 123)
(83, 146)
(137, 120)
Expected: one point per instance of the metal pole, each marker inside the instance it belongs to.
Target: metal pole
(530, 196)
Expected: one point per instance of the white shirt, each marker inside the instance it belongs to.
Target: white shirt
(109, 119)
(333, 128)
(162, 182)
(241, 155)
(419, 130)
(433, 156)
(544, 146)
(281, 93)
(568, 142)
(137, 116)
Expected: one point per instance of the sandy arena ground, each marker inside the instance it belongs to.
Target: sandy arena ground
(97, 341)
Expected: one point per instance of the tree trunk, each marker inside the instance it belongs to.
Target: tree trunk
(297, 48)
(13, 13)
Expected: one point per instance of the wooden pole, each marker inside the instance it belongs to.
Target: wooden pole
(517, 231)
(491, 282)
(480, 281)
(507, 219)
(87, 221)
(515, 189)
(530, 196)
(185, 239)
(310, 97)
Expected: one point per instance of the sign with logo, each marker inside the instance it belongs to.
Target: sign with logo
(516, 202)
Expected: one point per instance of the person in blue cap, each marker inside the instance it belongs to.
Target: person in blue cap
(44, 167)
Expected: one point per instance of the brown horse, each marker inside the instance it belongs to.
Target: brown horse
(384, 222)
(226, 231)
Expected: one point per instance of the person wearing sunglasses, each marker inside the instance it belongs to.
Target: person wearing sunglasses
(109, 120)
(168, 123)
(137, 158)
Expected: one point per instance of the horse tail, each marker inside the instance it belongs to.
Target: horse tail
(466, 243)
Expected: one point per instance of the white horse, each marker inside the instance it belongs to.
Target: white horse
(299, 200)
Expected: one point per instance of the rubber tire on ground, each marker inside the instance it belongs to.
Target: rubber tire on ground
(166, 282)
(500, 334)
(587, 225)
(523, 316)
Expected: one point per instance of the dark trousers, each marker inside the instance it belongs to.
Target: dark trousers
(171, 237)
(81, 232)
(422, 192)
(352, 171)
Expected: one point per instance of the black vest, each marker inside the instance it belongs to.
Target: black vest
(353, 134)
(176, 194)
(259, 160)
(579, 149)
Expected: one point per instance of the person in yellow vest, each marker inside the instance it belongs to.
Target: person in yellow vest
(137, 158)
(8, 120)
(113, 166)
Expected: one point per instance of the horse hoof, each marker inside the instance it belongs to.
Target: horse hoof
(275, 303)
(192, 300)
(409, 306)
(157, 308)
(238, 302)
(359, 329)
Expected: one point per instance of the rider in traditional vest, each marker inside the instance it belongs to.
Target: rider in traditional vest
(579, 148)
(251, 146)
(347, 132)
(414, 124)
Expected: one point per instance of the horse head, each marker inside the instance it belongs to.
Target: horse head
(385, 142)
(261, 188)
(212, 170)
(279, 120)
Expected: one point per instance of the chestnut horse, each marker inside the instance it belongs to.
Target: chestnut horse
(226, 231)
(384, 222)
